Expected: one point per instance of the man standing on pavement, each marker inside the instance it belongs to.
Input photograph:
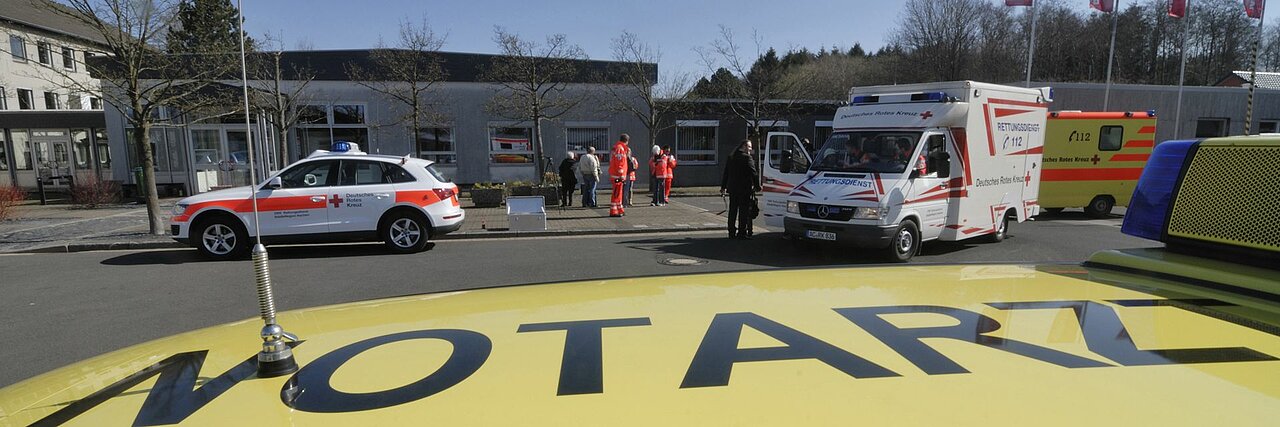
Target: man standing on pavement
(619, 162)
(589, 167)
(741, 181)
(630, 185)
(568, 179)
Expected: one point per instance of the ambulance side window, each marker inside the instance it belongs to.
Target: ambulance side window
(935, 153)
(1110, 138)
(361, 172)
(396, 174)
(310, 175)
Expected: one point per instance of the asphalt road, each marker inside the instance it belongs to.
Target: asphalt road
(61, 308)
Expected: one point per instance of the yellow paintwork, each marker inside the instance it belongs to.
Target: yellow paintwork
(643, 366)
(1061, 151)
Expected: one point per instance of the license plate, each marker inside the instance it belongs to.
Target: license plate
(820, 235)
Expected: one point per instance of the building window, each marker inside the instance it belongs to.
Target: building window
(95, 103)
(17, 48)
(436, 144)
(51, 101)
(42, 53)
(4, 99)
(104, 149)
(321, 125)
(696, 141)
(4, 155)
(1110, 138)
(1265, 126)
(80, 137)
(1209, 128)
(26, 99)
(68, 58)
(21, 149)
(348, 114)
(509, 145)
(578, 139)
(74, 102)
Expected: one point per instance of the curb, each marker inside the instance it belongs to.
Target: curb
(585, 232)
(105, 246)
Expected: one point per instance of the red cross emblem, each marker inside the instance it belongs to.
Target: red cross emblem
(1027, 180)
(926, 115)
(1095, 159)
(336, 201)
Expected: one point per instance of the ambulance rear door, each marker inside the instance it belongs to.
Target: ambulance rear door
(784, 166)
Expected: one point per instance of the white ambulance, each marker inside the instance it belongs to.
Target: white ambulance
(338, 195)
(907, 164)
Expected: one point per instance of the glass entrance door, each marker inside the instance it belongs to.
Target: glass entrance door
(237, 143)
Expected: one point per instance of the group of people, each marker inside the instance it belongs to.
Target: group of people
(622, 168)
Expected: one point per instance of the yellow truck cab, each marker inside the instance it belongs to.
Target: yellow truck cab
(1130, 337)
(1093, 159)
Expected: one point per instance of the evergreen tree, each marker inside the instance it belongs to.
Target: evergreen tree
(856, 51)
(206, 26)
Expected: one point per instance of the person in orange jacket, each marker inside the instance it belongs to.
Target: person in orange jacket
(619, 162)
(671, 173)
(658, 166)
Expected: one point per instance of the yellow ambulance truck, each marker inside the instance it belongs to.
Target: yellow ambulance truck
(1093, 159)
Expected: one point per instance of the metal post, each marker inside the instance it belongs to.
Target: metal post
(1253, 74)
(1182, 74)
(1031, 48)
(1115, 21)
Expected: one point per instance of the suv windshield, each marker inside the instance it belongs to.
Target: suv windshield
(867, 151)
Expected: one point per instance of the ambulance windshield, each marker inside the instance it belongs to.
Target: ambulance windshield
(867, 151)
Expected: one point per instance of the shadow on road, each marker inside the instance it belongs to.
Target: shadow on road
(771, 249)
(1072, 216)
(183, 256)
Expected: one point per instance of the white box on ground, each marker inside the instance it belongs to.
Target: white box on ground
(525, 213)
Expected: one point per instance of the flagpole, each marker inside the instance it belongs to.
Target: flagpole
(1115, 22)
(1182, 74)
(1253, 73)
(1031, 49)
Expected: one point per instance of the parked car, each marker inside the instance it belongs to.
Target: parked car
(331, 196)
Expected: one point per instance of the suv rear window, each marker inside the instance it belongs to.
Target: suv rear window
(439, 176)
(397, 174)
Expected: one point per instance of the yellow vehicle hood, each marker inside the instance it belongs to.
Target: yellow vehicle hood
(917, 345)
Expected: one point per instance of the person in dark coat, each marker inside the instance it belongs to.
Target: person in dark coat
(740, 181)
(568, 181)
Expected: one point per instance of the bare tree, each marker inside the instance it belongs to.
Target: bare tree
(640, 94)
(407, 74)
(283, 102)
(759, 90)
(139, 77)
(533, 79)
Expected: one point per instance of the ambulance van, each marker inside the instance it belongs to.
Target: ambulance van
(907, 164)
(1093, 159)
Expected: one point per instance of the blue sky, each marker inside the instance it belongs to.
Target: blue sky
(676, 26)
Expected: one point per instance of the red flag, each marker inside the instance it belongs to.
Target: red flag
(1017, 2)
(1178, 9)
(1253, 8)
(1106, 6)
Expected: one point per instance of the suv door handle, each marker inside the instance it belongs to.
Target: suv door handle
(317, 198)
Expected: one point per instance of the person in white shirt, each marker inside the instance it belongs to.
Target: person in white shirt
(589, 167)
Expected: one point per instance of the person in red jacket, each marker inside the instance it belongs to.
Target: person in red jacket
(619, 162)
(658, 165)
(671, 173)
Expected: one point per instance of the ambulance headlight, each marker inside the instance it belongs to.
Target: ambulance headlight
(793, 207)
(179, 208)
(867, 213)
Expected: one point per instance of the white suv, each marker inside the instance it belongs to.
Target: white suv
(331, 196)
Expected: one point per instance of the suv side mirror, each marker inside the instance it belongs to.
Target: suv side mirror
(274, 183)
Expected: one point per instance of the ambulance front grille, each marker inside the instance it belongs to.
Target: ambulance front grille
(1230, 195)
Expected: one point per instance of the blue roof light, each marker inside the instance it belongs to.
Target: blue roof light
(929, 96)
(1153, 196)
(341, 147)
(865, 99)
